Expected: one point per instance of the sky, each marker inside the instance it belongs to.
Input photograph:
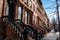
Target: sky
(50, 8)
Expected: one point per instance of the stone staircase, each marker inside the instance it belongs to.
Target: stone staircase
(17, 30)
(30, 38)
(19, 23)
(13, 30)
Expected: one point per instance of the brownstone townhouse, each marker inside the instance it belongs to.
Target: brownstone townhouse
(22, 20)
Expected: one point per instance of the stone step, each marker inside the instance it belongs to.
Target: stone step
(30, 38)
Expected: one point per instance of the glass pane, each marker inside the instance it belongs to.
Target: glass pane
(7, 9)
(19, 12)
(33, 18)
(25, 17)
(30, 4)
(26, 1)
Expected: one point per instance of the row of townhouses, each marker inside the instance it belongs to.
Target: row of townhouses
(22, 20)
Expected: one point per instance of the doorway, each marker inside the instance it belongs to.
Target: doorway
(11, 9)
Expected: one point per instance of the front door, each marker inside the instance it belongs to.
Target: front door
(11, 8)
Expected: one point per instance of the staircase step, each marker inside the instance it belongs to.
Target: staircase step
(30, 38)
(11, 30)
(33, 39)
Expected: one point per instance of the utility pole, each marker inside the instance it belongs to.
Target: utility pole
(57, 9)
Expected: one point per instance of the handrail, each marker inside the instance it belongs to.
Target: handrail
(24, 25)
(20, 21)
(29, 27)
(12, 21)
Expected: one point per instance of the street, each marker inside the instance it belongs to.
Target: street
(29, 19)
(51, 36)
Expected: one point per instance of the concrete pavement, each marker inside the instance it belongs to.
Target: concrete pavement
(51, 35)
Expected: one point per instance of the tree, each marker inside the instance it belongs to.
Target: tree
(54, 23)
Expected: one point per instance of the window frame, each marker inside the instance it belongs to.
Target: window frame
(31, 4)
(33, 7)
(26, 1)
(20, 12)
(26, 20)
(7, 9)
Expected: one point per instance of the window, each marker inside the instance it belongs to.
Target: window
(19, 12)
(26, 1)
(33, 0)
(37, 11)
(30, 18)
(26, 17)
(35, 20)
(30, 4)
(33, 7)
(7, 9)
(39, 22)
(11, 9)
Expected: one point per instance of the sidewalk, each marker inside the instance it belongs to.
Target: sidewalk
(51, 36)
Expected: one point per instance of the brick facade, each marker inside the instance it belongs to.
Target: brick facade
(36, 16)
